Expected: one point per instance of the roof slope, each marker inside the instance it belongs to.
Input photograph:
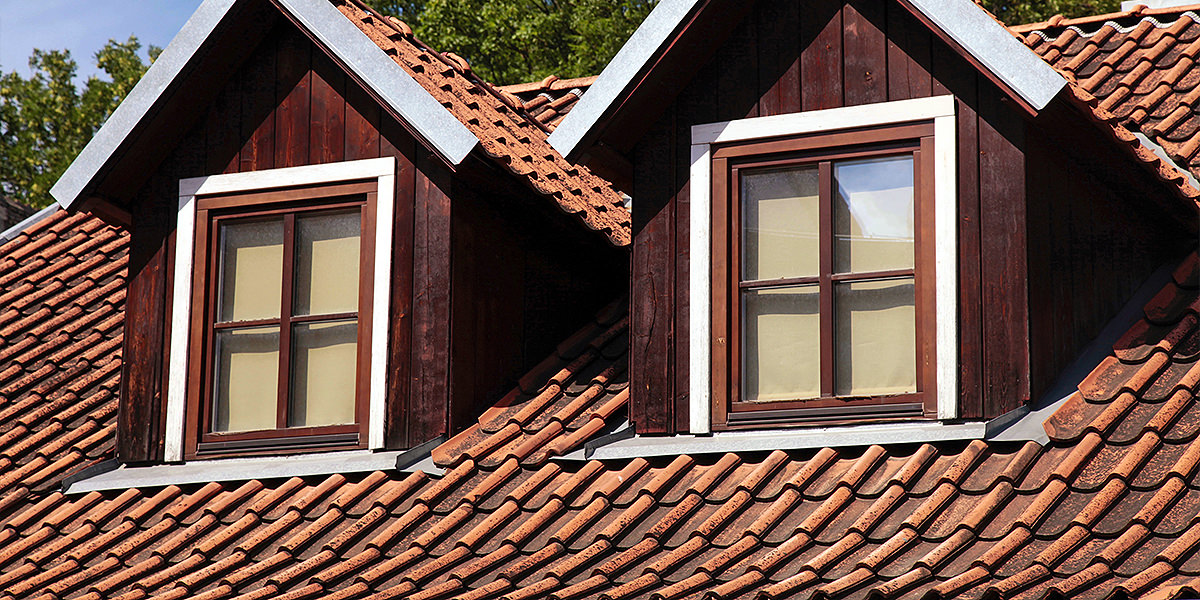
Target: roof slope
(505, 131)
(1140, 65)
(549, 100)
(1111, 504)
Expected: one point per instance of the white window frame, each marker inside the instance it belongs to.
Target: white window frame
(939, 110)
(383, 171)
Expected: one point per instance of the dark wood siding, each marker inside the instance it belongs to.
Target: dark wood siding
(1095, 235)
(785, 57)
(288, 104)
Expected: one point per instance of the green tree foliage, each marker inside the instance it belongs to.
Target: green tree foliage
(45, 119)
(513, 41)
(1016, 12)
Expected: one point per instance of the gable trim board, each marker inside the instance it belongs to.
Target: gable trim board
(979, 35)
(431, 121)
(940, 110)
(383, 170)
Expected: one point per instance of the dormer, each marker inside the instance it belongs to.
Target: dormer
(864, 211)
(327, 220)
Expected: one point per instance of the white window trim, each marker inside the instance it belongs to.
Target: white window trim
(383, 171)
(939, 110)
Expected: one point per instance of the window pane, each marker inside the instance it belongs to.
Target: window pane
(323, 373)
(781, 331)
(875, 337)
(327, 263)
(873, 214)
(251, 270)
(246, 379)
(780, 223)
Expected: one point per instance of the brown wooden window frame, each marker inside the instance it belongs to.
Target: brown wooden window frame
(727, 162)
(213, 210)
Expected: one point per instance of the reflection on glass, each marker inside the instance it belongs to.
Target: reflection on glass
(251, 264)
(781, 330)
(873, 214)
(327, 247)
(780, 223)
(323, 373)
(246, 379)
(876, 338)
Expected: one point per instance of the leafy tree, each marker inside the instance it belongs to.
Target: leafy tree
(1016, 12)
(512, 41)
(45, 120)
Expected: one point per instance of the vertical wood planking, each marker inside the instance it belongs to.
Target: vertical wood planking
(222, 130)
(737, 81)
(653, 286)
(778, 59)
(431, 306)
(821, 55)
(258, 108)
(327, 112)
(362, 124)
(908, 55)
(864, 52)
(1002, 248)
(145, 315)
(293, 86)
(395, 142)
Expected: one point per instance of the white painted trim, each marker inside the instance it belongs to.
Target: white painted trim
(432, 122)
(821, 121)
(939, 110)
(383, 170)
(700, 288)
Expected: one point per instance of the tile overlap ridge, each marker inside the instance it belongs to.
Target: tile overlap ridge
(1136, 72)
(507, 133)
(1110, 507)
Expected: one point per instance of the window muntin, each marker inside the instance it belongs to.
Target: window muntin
(827, 278)
(279, 354)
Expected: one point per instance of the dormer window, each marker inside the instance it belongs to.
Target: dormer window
(826, 234)
(279, 300)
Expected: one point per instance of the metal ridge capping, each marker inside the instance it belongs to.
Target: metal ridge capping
(433, 122)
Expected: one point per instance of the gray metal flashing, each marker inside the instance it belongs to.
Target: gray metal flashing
(650, 38)
(781, 439)
(433, 122)
(140, 100)
(244, 469)
(27, 222)
(427, 117)
(996, 48)
(987, 40)
(1161, 152)
(1020, 425)
(1029, 426)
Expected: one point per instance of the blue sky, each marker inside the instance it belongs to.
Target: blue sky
(83, 27)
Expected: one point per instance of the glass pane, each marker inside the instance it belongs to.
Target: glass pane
(251, 270)
(875, 338)
(324, 373)
(327, 263)
(781, 332)
(873, 214)
(246, 379)
(780, 223)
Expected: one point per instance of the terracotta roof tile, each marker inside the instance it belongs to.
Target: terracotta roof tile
(1110, 505)
(510, 135)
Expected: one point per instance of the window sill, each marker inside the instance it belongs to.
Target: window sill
(264, 467)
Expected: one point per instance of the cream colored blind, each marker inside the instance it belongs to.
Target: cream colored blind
(780, 223)
(781, 332)
(324, 356)
(251, 277)
(327, 263)
(247, 385)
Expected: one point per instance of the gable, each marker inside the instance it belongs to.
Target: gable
(665, 51)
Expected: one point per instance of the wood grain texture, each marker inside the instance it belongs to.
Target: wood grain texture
(864, 47)
(1005, 327)
(429, 387)
(293, 89)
